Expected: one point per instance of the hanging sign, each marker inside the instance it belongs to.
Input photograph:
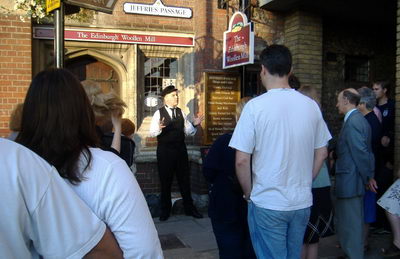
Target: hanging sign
(158, 9)
(238, 47)
(52, 5)
(105, 6)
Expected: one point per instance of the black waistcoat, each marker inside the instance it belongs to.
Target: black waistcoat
(173, 134)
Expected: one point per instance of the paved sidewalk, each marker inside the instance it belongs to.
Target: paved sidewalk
(184, 237)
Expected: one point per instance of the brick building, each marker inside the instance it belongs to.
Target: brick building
(334, 46)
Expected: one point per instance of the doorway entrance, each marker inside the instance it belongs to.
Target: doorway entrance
(89, 68)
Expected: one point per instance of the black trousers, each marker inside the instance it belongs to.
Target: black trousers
(233, 239)
(174, 160)
(384, 179)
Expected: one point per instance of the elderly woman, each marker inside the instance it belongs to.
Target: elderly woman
(59, 125)
(366, 107)
(108, 109)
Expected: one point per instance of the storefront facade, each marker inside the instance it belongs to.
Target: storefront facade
(137, 50)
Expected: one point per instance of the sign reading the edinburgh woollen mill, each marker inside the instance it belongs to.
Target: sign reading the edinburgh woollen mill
(158, 9)
(238, 48)
(222, 95)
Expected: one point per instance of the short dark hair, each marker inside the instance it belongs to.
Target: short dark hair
(294, 82)
(384, 84)
(353, 98)
(58, 122)
(277, 59)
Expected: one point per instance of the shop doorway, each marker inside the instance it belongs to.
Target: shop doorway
(252, 85)
(88, 68)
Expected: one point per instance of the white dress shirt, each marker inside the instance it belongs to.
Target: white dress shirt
(155, 130)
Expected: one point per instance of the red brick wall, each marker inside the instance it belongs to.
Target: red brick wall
(15, 65)
(148, 179)
(120, 19)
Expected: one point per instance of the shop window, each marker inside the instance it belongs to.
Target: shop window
(356, 69)
(158, 73)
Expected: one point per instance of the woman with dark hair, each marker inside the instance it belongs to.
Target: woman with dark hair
(58, 124)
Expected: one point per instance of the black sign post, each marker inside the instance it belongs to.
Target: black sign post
(59, 36)
(105, 6)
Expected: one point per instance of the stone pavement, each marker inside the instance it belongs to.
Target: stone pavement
(184, 237)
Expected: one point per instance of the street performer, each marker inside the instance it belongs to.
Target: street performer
(170, 125)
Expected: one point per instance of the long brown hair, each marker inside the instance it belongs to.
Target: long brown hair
(58, 122)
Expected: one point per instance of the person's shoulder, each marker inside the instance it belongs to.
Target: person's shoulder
(24, 173)
(104, 166)
(302, 97)
(18, 157)
(357, 119)
(371, 116)
(158, 111)
(356, 115)
(305, 101)
(258, 100)
(104, 157)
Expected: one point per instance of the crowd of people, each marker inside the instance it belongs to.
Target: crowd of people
(60, 123)
(69, 188)
(277, 161)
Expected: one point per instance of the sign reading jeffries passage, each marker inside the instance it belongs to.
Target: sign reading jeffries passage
(222, 95)
(238, 47)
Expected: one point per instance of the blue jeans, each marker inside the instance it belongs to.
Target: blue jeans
(277, 234)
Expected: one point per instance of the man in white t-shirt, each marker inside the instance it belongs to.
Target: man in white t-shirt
(41, 216)
(280, 141)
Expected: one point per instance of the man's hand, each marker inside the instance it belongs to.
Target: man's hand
(161, 124)
(385, 141)
(198, 120)
(372, 186)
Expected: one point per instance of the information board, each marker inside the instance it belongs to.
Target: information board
(222, 95)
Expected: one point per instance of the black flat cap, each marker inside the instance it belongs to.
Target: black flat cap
(167, 90)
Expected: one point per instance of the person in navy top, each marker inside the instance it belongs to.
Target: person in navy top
(227, 209)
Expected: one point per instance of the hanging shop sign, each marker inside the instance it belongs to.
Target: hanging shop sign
(238, 49)
(52, 5)
(116, 37)
(158, 9)
(105, 6)
(222, 95)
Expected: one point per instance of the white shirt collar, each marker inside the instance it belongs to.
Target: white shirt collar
(170, 107)
(348, 114)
